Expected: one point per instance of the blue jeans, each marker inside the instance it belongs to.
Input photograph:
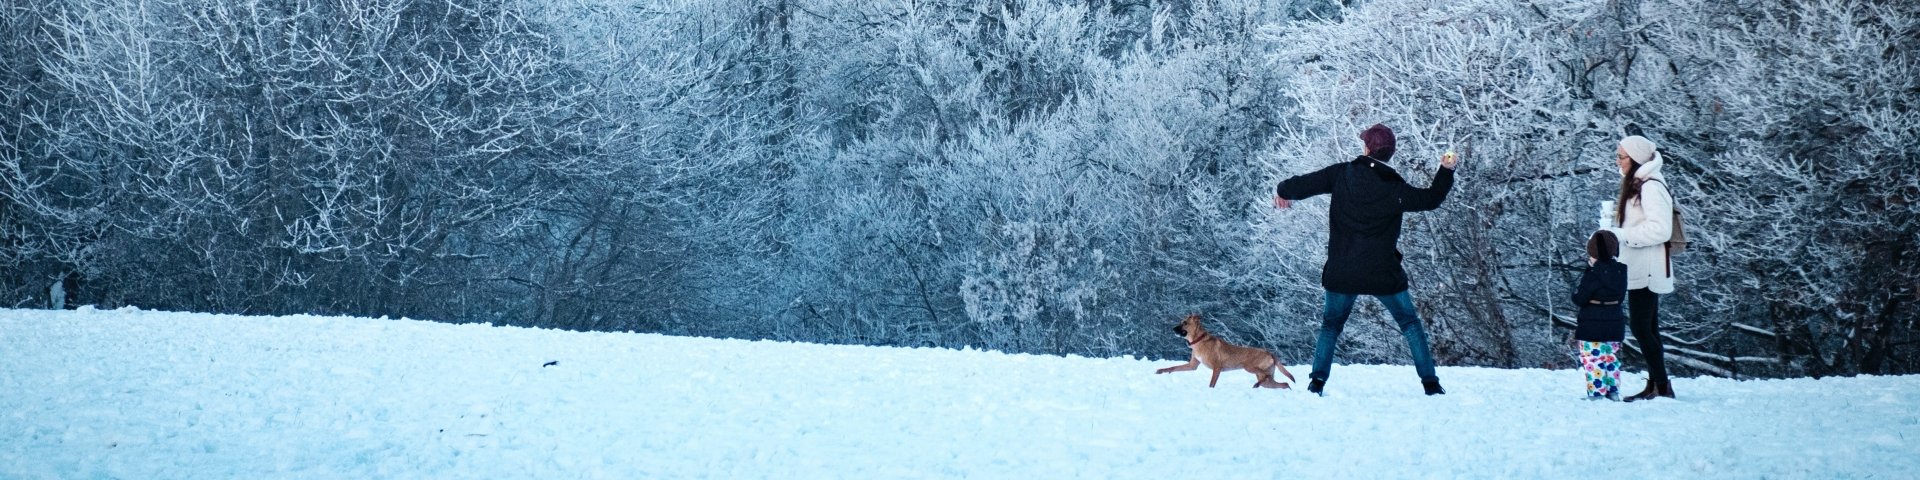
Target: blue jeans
(1334, 319)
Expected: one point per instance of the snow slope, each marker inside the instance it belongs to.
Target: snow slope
(137, 394)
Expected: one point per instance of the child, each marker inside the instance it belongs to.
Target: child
(1602, 324)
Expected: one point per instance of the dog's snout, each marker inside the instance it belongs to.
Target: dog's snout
(1180, 329)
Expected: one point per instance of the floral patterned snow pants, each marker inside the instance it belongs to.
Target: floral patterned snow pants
(1602, 365)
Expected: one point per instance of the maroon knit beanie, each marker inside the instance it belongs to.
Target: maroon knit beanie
(1379, 141)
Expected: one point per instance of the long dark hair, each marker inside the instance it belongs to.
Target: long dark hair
(1629, 190)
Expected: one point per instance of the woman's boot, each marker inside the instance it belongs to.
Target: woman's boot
(1666, 388)
(1653, 390)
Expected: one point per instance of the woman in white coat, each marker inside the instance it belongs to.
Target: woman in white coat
(1643, 221)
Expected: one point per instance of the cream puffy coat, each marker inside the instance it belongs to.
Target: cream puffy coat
(1643, 237)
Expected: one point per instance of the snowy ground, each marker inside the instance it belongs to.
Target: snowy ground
(140, 395)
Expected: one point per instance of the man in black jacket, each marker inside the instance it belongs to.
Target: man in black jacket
(1363, 255)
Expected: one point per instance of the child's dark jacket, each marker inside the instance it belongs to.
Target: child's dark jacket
(1601, 298)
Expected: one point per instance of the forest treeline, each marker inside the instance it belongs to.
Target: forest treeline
(1029, 176)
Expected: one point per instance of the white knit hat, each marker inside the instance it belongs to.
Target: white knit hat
(1639, 148)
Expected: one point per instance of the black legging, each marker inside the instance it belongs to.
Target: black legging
(1643, 310)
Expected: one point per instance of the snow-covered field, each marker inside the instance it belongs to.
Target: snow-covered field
(147, 395)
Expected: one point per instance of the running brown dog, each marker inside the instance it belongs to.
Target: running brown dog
(1220, 355)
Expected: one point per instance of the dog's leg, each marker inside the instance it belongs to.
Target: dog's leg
(1216, 378)
(1263, 370)
(1190, 365)
(1266, 379)
(1269, 382)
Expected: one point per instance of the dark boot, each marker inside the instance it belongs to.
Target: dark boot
(1433, 387)
(1653, 390)
(1316, 386)
(1666, 388)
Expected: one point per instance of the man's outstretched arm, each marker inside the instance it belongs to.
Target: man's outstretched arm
(1423, 199)
(1302, 187)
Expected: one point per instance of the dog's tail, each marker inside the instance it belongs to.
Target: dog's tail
(1283, 369)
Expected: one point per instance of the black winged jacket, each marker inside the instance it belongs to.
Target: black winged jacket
(1363, 255)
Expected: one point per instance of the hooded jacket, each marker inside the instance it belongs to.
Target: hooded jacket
(1600, 296)
(1644, 234)
(1369, 198)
